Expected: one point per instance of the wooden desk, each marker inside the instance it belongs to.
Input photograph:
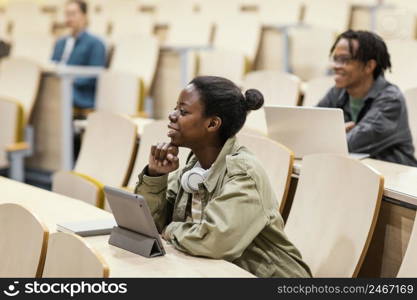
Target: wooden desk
(52, 116)
(68, 74)
(53, 208)
(400, 181)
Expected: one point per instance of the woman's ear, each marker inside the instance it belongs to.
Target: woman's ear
(214, 124)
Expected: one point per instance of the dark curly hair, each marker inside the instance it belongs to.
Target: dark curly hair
(222, 98)
(371, 46)
(81, 4)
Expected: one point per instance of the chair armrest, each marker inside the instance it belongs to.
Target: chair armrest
(21, 146)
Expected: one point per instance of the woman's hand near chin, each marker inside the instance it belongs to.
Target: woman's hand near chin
(163, 159)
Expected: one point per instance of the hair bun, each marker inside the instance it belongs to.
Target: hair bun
(254, 99)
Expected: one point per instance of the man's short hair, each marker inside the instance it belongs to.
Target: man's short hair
(81, 4)
(371, 46)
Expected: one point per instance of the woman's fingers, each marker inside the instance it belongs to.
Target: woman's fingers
(172, 158)
(173, 149)
(163, 158)
(153, 149)
(163, 153)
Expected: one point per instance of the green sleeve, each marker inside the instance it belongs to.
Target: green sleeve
(231, 221)
(160, 193)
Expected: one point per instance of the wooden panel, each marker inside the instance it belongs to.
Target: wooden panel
(409, 263)
(46, 122)
(389, 242)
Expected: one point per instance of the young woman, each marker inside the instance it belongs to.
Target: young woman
(220, 205)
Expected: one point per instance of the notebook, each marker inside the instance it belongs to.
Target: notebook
(88, 228)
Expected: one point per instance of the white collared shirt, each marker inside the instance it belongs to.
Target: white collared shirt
(69, 46)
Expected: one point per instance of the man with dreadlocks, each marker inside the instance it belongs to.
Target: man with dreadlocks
(374, 109)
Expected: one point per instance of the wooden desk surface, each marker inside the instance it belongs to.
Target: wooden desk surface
(53, 208)
(400, 181)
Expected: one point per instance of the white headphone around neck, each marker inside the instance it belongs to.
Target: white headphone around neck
(192, 178)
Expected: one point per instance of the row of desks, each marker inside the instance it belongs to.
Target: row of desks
(53, 208)
(400, 182)
(384, 256)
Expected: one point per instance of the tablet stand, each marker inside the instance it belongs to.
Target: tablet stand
(135, 242)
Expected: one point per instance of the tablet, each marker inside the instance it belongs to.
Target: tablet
(131, 212)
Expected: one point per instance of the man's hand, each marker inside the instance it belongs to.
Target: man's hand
(349, 126)
(163, 159)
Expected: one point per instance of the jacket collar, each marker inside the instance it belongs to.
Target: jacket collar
(81, 35)
(376, 88)
(219, 165)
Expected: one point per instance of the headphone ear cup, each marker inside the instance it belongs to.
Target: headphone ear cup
(192, 178)
(184, 182)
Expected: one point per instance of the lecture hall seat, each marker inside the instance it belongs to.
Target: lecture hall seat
(315, 89)
(333, 214)
(278, 88)
(168, 12)
(36, 47)
(19, 84)
(69, 256)
(223, 63)
(180, 34)
(21, 231)
(329, 14)
(119, 92)
(105, 158)
(280, 13)
(229, 35)
(130, 24)
(403, 72)
(309, 51)
(139, 56)
(277, 161)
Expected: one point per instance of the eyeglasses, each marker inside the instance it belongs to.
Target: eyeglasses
(340, 60)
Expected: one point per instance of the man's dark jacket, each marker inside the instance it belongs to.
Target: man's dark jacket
(382, 128)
